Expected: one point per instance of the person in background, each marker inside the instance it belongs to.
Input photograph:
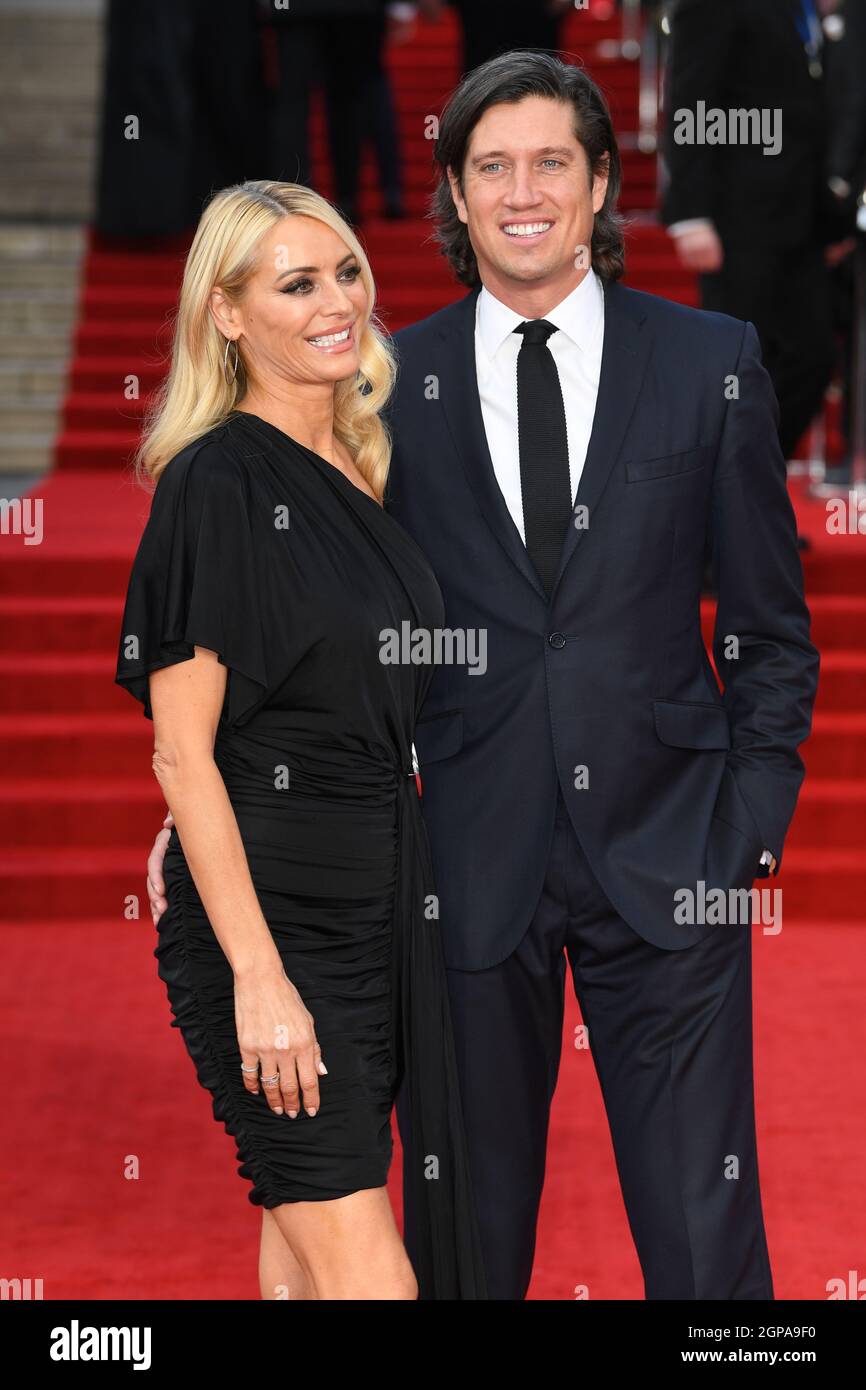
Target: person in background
(341, 44)
(495, 26)
(182, 111)
(845, 64)
(395, 24)
(332, 41)
(754, 225)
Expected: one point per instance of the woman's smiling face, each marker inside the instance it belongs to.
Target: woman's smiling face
(303, 308)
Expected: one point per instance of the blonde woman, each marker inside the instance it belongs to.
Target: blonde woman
(301, 964)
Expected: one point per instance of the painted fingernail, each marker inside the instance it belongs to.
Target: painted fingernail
(278, 1110)
(294, 1114)
(312, 1112)
(323, 1069)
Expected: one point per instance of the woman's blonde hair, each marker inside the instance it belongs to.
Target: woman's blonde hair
(196, 394)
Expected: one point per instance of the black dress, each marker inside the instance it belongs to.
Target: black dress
(262, 551)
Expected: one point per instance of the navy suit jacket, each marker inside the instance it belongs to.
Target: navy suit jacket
(607, 689)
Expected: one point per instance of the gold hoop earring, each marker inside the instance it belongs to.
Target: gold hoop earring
(231, 342)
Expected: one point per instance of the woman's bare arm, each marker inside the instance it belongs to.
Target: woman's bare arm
(273, 1024)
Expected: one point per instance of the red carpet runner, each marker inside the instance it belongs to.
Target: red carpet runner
(117, 1182)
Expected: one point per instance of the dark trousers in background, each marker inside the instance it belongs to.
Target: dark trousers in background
(346, 57)
(496, 26)
(786, 294)
(189, 71)
(671, 1038)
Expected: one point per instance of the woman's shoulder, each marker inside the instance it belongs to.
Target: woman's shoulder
(211, 462)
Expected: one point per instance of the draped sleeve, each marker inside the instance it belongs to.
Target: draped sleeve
(194, 580)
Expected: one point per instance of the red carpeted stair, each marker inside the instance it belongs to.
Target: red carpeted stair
(102, 1076)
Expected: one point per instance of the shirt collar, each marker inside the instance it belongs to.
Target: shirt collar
(579, 316)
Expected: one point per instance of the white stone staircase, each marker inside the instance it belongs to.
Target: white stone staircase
(50, 79)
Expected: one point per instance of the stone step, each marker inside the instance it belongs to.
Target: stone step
(49, 32)
(29, 93)
(36, 275)
(51, 64)
(47, 169)
(58, 100)
(43, 192)
(26, 454)
(47, 40)
(40, 243)
(25, 311)
(30, 68)
(39, 294)
(52, 60)
(61, 203)
(18, 383)
(29, 166)
(52, 128)
(39, 415)
(32, 60)
(32, 29)
(34, 145)
(34, 348)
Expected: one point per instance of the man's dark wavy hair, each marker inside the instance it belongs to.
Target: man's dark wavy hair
(509, 78)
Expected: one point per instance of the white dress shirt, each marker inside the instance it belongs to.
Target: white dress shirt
(576, 349)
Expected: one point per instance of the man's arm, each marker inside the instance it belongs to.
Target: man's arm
(771, 673)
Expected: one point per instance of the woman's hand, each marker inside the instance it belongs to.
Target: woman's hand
(276, 1030)
(155, 881)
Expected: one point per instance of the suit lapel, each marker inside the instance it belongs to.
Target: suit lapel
(624, 355)
(623, 363)
(461, 405)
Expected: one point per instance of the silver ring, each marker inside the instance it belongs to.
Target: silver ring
(270, 1080)
(255, 1068)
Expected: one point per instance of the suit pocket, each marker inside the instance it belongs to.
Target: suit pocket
(667, 465)
(691, 724)
(439, 736)
(733, 811)
(734, 844)
(731, 860)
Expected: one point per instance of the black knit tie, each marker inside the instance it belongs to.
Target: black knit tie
(544, 476)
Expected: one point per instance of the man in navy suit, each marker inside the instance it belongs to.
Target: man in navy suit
(568, 452)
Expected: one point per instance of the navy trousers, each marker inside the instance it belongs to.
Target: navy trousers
(670, 1034)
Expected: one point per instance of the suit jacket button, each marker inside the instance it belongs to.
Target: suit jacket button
(556, 639)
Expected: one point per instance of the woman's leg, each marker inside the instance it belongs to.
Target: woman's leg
(348, 1248)
(280, 1275)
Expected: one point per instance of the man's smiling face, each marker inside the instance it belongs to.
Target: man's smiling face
(528, 199)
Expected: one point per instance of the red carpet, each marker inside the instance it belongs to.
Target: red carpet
(102, 1084)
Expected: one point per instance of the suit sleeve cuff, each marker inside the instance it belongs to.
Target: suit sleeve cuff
(689, 224)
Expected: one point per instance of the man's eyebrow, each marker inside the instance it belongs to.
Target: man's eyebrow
(314, 269)
(545, 151)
